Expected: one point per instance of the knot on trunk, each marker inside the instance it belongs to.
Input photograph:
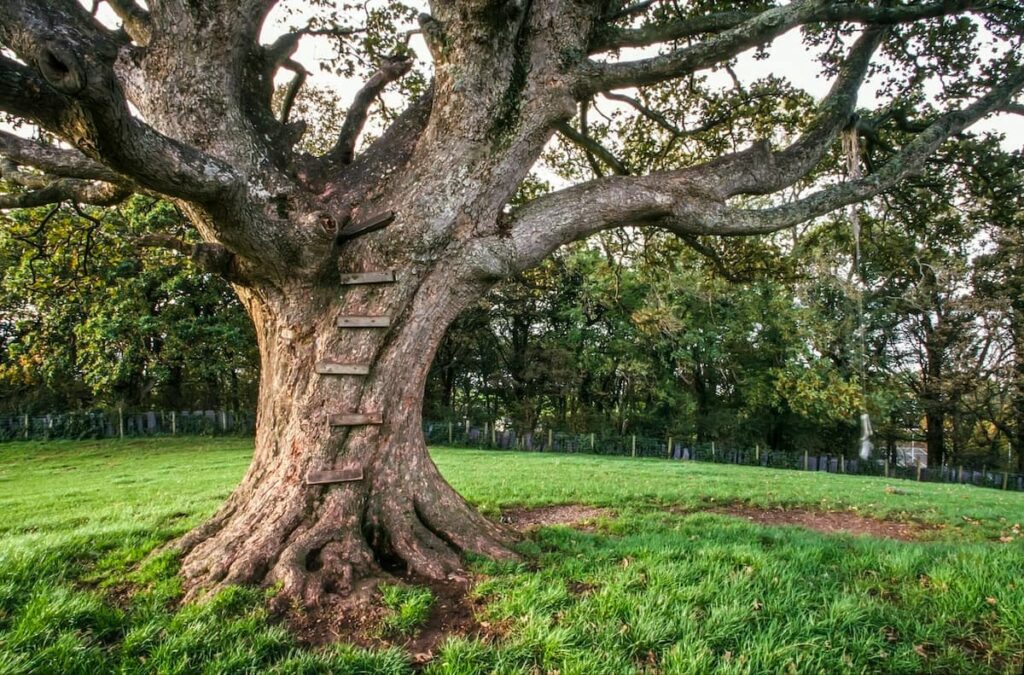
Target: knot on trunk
(61, 69)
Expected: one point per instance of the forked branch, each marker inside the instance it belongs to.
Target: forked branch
(687, 201)
(77, 96)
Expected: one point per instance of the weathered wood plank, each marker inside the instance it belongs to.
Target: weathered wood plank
(364, 321)
(355, 419)
(332, 368)
(367, 225)
(386, 277)
(333, 476)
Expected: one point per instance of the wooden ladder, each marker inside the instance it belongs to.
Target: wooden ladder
(333, 368)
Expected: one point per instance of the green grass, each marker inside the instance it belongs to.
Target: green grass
(676, 591)
(408, 608)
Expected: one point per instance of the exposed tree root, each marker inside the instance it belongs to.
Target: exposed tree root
(341, 544)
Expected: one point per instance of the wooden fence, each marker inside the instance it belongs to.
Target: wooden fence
(489, 437)
(120, 423)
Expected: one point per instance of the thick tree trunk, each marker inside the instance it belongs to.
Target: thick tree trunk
(401, 515)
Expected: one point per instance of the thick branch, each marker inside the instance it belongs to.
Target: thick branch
(209, 257)
(62, 190)
(752, 31)
(689, 201)
(344, 149)
(52, 160)
(622, 38)
(908, 162)
(833, 115)
(25, 94)
(134, 18)
(80, 99)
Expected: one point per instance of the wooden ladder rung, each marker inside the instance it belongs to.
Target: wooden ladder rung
(364, 321)
(355, 419)
(370, 224)
(333, 476)
(387, 277)
(331, 368)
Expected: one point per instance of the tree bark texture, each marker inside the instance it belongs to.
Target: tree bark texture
(401, 515)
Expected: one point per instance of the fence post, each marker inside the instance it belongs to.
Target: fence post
(807, 461)
(467, 431)
(1006, 479)
(960, 473)
(551, 440)
(591, 441)
(27, 426)
(224, 421)
(757, 453)
(450, 433)
(842, 463)
(494, 434)
(670, 447)
(120, 422)
(174, 423)
(713, 457)
(918, 469)
(886, 465)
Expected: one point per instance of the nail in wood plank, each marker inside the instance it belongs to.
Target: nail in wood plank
(355, 419)
(330, 368)
(386, 277)
(364, 321)
(333, 476)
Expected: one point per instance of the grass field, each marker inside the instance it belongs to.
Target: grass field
(660, 584)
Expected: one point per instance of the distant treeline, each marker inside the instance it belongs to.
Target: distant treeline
(777, 341)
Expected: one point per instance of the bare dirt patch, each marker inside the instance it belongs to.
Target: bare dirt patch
(574, 515)
(357, 619)
(829, 522)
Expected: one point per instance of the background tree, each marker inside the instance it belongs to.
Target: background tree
(92, 323)
(180, 102)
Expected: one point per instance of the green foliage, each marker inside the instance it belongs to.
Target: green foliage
(92, 320)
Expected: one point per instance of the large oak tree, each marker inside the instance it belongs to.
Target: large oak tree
(179, 102)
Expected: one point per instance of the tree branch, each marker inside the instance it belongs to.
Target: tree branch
(593, 147)
(55, 161)
(209, 257)
(344, 149)
(134, 18)
(907, 162)
(80, 99)
(690, 201)
(834, 113)
(293, 89)
(752, 30)
(41, 193)
(623, 38)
